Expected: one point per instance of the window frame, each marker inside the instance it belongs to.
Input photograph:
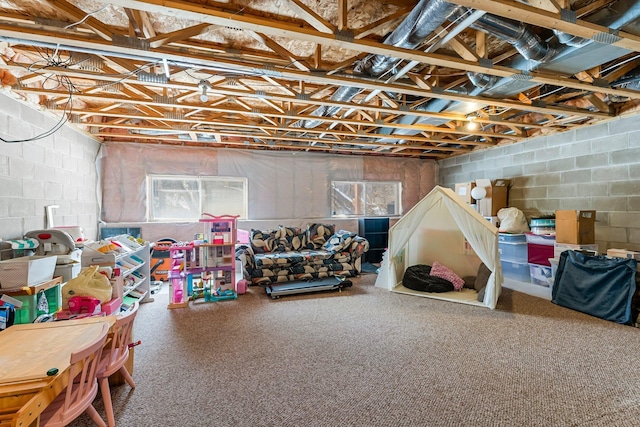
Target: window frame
(151, 178)
(365, 184)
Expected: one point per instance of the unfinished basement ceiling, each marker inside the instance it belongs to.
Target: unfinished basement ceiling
(367, 77)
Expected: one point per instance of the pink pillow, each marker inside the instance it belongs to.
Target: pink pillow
(446, 273)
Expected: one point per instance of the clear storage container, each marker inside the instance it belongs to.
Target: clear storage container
(511, 238)
(515, 270)
(516, 252)
(540, 275)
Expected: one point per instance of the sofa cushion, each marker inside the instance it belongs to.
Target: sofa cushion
(266, 241)
(293, 238)
(339, 241)
(317, 234)
(280, 259)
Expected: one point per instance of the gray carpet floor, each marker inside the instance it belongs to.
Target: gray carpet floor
(369, 357)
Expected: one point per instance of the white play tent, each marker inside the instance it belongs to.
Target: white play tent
(442, 227)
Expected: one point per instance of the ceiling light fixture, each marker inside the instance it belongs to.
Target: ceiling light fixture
(204, 85)
(472, 124)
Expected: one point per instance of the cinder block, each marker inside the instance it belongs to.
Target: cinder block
(561, 191)
(629, 155)
(614, 173)
(534, 193)
(634, 203)
(545, 154)
(534, 168)
(61, 144)
(10, 187)
(512, 171)
(547, 205)
(575, 149)
(634, 239)
(634, 139)
(53, 190)
(33, 189)
(609, 203)
(576, 176)
(524, 158)
(591, 161)
(625, 125)
(610, 234)
(624, 188)
(624, 219)
(536, 144)
(608, 144)
(561, 138)
(575, 203)
(561, 165)
(590, 132)
(589, 189)
(4, 166)
(21, 207)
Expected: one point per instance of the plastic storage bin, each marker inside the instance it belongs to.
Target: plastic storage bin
(540, 274)
(541, 239)
(512, 238)
(516, 252)
(28, 312)
(516, 270)
(539, 254)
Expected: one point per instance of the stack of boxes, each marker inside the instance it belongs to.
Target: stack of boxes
(575, 231)
(533, 257)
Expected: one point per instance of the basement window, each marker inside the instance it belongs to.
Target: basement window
(366, 198)
(185, 198)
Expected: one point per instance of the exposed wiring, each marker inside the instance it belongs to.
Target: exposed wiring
(87, 17)
(68, 109)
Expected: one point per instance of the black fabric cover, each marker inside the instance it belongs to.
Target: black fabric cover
(596, 285)
(418, 278)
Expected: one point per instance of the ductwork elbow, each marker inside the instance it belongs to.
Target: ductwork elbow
(482, 81)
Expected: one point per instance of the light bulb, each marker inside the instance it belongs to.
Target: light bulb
(204, 85)
(472, 125)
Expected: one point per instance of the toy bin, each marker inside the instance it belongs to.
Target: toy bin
(540, 274)
(516, 252)
(29, 310)
(515, 270)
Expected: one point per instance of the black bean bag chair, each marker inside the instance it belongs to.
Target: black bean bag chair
(418, 278)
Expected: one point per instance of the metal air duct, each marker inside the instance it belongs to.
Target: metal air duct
(416, 27)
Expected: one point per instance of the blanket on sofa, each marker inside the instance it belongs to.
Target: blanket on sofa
(294, 253)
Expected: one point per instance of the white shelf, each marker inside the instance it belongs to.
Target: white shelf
(130, 259)
(528, 288)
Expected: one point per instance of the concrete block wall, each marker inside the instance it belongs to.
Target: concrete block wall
(55, 170)
(592, 168)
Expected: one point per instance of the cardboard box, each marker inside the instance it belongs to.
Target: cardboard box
(558, 248)
(496, 198)
(464, 190)
(623, 253)
(575, 227)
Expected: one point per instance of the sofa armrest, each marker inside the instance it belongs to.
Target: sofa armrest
(359, 246)
(247, 258)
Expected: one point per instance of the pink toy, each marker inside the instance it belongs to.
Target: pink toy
(79, 305)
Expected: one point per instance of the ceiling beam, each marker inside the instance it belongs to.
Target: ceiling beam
(197, 12)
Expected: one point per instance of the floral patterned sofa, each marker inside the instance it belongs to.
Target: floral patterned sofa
(293, 253)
